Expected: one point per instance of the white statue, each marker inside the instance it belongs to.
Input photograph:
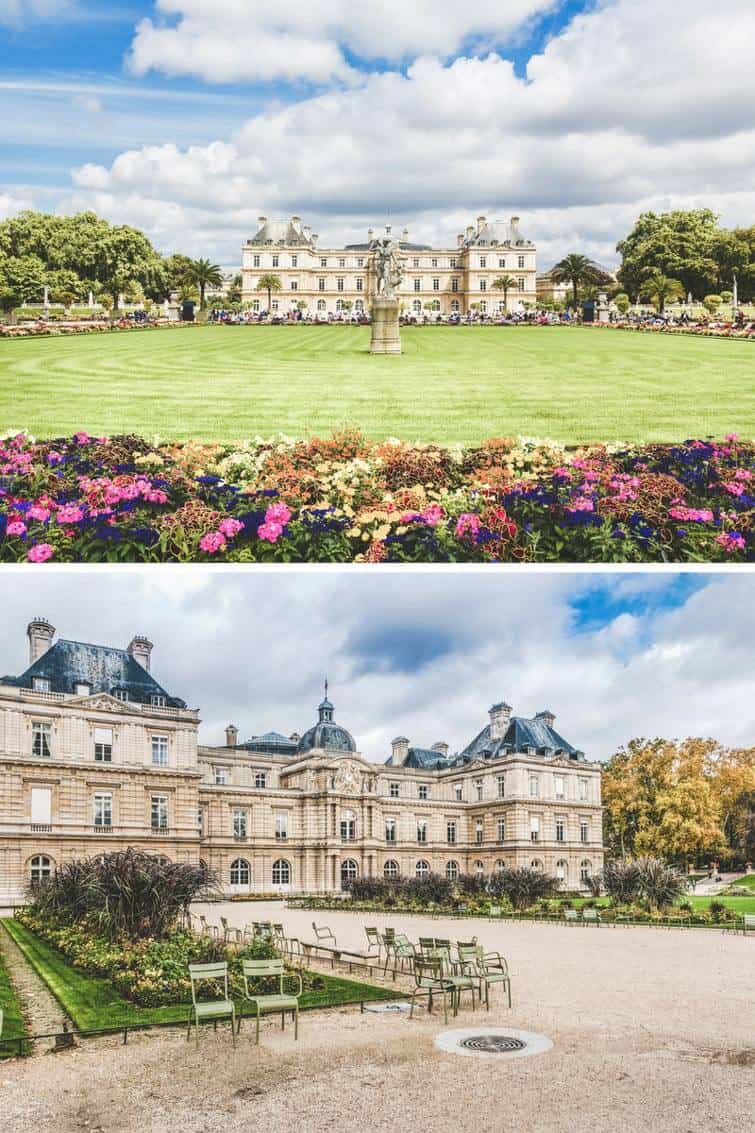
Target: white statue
(388, 269)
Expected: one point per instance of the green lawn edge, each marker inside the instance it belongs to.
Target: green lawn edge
(94, 1004)
(14, 1024)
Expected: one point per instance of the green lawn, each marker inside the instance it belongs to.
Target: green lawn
(451, 384)
(94, 1003)
(13, 1021)
(741, 904)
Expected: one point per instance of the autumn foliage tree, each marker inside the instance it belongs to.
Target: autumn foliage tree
(686, 801)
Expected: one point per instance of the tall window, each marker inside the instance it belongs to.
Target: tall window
(393, 790)
(240, 872)
(255, 261)
(415, 262)
(103, 809)
(360, 261)
(281, 872)
(479, 868)
(583, 790)
(390, 829)
(433, 262)
(422, 868)
(500, 865)
(560, 830)
(451, 832)
(502, 261)
(483, 261)
(281, 826)
(455, 284)
(585, 871)
(159, 751)
(436, 284)
(348, 826)
(452, 870)
(321, 283)
(417, 284)
(41, 740)
(536, 864)
(220, 776)
(342, 262)
(295, 262)
(584, 831)
(452, 262)
(501, 829)
(340, 284)
(534, 787)
(559, 786)
(422, 831)
(40, 868)
(323, 262)
(522, 262)
(159, 812)
(349, 872)
(483, 285)
(522, 283)
(422, 791)
(390, 870)
(458, 792)
(239, 824)
(478, 833)
(479, 789)
(294, 285)
(360, 283)
(534, 828)
(562, 871)
(501, 786)
(276, 261)
(260, 779)
(103, 745)
(321, 304)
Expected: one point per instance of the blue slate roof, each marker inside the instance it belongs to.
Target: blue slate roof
(521, 734)
(68, 663)
(427, 759)
(273, 742)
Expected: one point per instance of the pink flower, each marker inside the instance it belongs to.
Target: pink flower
(278, 513)
(70, 514)
(212, 542)
(112, 494)
(82, 438)
(734, 487)
(54, 458)
(691, 514)
(433, 515)
(16, 528)
(40, 553)
(155, 496)
(581, 504)
(270, 531)
(36, 511)
(468, 524)
(731, 541)
(230, 527)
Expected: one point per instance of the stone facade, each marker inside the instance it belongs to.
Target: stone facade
(445, 281)
(84, 770)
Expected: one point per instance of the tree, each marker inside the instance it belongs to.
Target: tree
(505, 283)
(205, 274)
(577, 270)
(660, 290)
(269, 283)
(233, 294)
(712, 303)
(680, 245)
(22, 280)
(177, 270)
(622, 302)
(125, 255)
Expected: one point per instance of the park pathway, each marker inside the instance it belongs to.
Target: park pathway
(41, 1009)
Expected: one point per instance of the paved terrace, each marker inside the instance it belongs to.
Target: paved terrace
(652, 1029)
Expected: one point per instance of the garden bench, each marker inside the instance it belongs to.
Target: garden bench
(591, 916)
(494, 912)
(212, 1008)
(571, 916)
(748, 923)
(266, 1003)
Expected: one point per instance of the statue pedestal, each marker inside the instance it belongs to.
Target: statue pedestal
(385, 331)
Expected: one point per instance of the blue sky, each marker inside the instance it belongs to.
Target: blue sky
(191, 118)
(615, 656)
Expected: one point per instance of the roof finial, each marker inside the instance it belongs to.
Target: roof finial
(326, 688)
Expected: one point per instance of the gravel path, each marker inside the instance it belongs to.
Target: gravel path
(41, 1009)
(651, 1030)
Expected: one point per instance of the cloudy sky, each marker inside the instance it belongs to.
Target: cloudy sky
(613, 656)
(190, 118)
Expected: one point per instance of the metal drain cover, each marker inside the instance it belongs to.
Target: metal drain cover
(492, 1042)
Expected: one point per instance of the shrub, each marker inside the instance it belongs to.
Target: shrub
(621, 880)
(523, 887)
(660, 884)
(128, 893)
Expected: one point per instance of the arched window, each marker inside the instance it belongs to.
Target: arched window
(281, 872)
(500, 865)
(455, 306)
(40, 868)
(349, 872)
(435, 305)
(417, 306)
(585, 870)
(422, 868)
(452, 870)
(390, 870)
(562, 871)
(536, 864)
(479, 868)
(240, 872)
(359, 305)
(348, 826)
(339, 304)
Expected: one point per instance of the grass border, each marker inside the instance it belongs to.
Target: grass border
(93, 1004)
(14, 1023)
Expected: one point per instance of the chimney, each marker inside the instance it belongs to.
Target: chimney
(231, 735)
(547, 717)
(315, 237)
(515, 233)
(399, 751)
(481, 223)
(296, 221)
(261, 220)
(440, 747)
(370, 234)
(405, 234)
(140, 648)
(500, 715)
(470, 231)
(40, 633)
(460, 239)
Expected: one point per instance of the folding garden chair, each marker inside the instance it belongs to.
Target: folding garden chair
(210, 1008)
(267, 1002)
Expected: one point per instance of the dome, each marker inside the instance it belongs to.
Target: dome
(326, 733)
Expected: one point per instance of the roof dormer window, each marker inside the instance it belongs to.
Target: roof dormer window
(157, 700)
(40, 684)
(120, 694)
(81, 688)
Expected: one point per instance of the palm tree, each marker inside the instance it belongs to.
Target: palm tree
(269, 283)
(505, 283)
(204, 274)
(659, 289)
(576, 270)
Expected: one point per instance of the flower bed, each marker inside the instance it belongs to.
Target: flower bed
(347, 499)
(701, 330)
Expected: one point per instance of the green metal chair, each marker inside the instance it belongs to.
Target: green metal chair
(571, 916)
(373, 942)
(210, 1008)
(748, 923)
(389, 946)
(279, 1001)
(494, 912)
(488, 968)
(591, 916)
(230, 935)
(323, 935)
(459, 980)
(430, 980)
(426, 943)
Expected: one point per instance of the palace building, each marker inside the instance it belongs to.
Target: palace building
(96, 755)
(437, 281)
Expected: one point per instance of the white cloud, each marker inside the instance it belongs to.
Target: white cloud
(10, 205)
(308, 42)
(578, 148)
(17, 13)
(419, 657)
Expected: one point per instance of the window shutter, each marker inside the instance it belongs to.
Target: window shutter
(41, 805)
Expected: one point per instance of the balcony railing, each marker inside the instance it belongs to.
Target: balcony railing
(161, 830)
(41, 828)
(102, 828)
